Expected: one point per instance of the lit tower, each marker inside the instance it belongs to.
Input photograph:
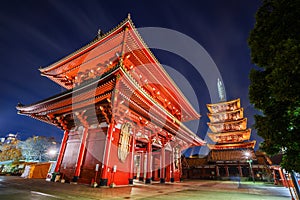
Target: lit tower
(231, 136)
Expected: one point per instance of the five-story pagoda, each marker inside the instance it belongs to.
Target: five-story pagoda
(229, 131)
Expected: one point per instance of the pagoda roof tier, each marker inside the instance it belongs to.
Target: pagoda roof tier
(226, 116)
(224, 106)
(236, 125)
(194, 162)
(230, 137)
(242, 145)
(230, 155)
(123, 45)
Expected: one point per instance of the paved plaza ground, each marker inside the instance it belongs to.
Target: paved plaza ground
(39, 189)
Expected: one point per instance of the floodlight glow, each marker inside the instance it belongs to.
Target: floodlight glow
(247, 154)
(52, 152)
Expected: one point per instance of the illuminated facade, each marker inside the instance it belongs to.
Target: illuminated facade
(122, 115)
(232, 154)
(229, 131)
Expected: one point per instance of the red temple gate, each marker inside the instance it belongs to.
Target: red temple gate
(122, 114)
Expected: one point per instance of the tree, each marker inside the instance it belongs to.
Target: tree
(37, 148)
(10, 151)
(275, 85)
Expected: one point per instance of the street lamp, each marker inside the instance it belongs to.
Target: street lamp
(52, 153)
(249, 160)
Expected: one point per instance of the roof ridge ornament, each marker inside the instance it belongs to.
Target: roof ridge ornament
(99, 33)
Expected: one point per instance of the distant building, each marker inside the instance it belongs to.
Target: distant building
(9, 138)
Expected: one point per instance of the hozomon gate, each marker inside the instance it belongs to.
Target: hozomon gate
(122, 115)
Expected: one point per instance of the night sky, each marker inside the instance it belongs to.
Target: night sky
(37, 33)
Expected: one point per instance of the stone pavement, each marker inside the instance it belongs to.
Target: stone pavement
(19, 188)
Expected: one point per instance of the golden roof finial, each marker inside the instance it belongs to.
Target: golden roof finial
(128, 16)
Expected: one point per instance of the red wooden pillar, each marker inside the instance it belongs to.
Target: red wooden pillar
(162, 165)
(105, 167)
(227, 170)
(168, 166)
(168, 173)
(131, 176)
(62, 150)
(180, 167)
(142, 166)
(135, 168)
(217, 171)
(82, 150)
(282, 177)
(155, 174)
(149, 162)
(172, 166)
(274, 177)
(240, 170)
